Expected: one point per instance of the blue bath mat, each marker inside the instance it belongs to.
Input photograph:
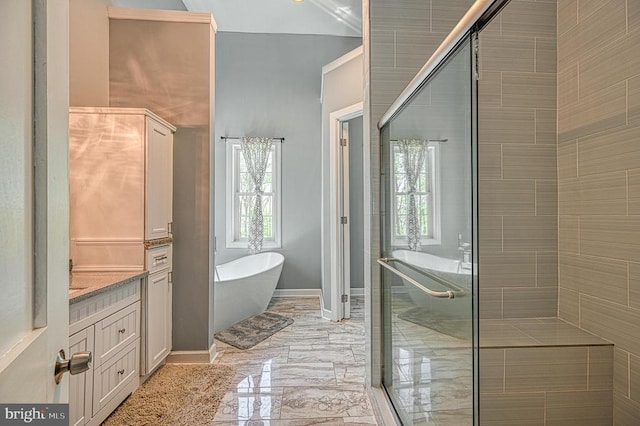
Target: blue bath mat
(253, 330)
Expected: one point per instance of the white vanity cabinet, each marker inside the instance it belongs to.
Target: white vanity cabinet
(121, 197)
(120, 186)
(157, 315)
(108, 325)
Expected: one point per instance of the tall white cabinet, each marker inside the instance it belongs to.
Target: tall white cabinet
(121, 192)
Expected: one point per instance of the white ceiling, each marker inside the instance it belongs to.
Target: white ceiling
(331, 17)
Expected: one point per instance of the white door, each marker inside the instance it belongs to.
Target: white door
(344, 238)
(34, 210)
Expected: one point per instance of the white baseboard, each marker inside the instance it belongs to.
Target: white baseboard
(357, 291)
(324, 313)
(192, 357)
(297, 292)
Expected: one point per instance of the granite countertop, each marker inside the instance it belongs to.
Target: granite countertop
(86, 284)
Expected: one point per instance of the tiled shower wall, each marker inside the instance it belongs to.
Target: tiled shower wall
(517, 163)
(599, 182)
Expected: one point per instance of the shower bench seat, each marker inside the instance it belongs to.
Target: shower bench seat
(544, 371)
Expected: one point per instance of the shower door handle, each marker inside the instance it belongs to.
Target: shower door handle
(448, 294)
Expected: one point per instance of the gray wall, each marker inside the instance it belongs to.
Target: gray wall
(166, 67)
(599, 183)
(356, 203)
(88, 53)
(269, 84)
(342, 87)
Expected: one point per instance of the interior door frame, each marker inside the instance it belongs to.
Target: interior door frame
(336, 191)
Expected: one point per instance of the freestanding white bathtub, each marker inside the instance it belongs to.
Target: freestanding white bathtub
(244, 287)
(448, 269)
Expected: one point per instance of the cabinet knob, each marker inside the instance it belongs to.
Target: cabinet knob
(121, 372)
(122, 330)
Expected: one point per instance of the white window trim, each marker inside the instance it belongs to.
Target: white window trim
(232, 219)
(435, 199)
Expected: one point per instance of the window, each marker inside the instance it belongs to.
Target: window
(426, 197)
(241, 198)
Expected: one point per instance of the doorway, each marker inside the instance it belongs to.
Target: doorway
(347, 205)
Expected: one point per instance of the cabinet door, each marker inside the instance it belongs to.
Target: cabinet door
(158, 318)
(159, 180)
(81, 385)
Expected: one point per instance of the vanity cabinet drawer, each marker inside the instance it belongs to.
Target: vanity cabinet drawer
(115, 375)
(115, 332)
(159, 258)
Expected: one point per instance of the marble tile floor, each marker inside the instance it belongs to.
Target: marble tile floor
(310, 373)
(431, 379)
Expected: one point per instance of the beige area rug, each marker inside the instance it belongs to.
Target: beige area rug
(177, 394)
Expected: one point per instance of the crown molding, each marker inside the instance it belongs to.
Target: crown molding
(162, 16)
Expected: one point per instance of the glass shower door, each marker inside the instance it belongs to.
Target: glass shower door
(427, 254)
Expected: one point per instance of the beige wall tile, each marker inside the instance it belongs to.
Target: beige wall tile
(546, 369)
(610, 236)
(611, 321)
(569, 234)
(589, 408)
(414, 48)
(596, 72)
(601, 367)
(609, 151)
(529, 161)
(389, 83)
(546, 54)
(633, 179)
(598, 277)
(407, 14)
(634, 377)
(490, 234)
(634, 98)
(567, 15)
(530, 302)
(625, 411)
(490, 161)
(508, 270)
(621, 372)
(491, 370)
(595, 31)
(529, 90)
(568, 159)
(587, 7)
(383, 49)
(530, 233)
(445, 14)
(594, 195)
(569, 305)
(490, 89)
(507, 197)
(527, 18)
(634, 285)
(546, 197)
(547, 270)
(490, 302)
(568, 85)
(509, 53)
(506, 125)
(601, 111)
(633, 15)
(512, 409)
(546, 128)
